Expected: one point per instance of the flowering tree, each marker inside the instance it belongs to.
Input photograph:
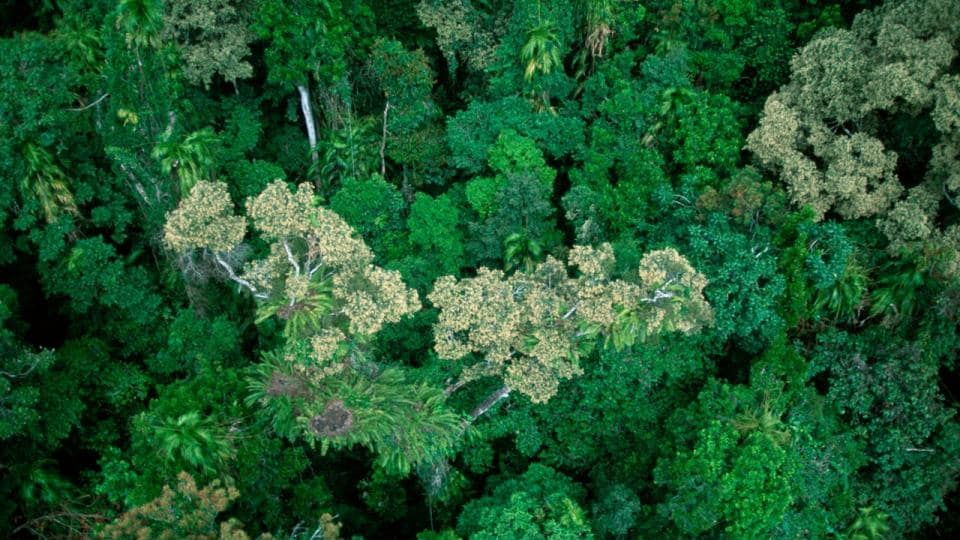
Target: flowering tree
(531, 328)
(827, 133)
(318, 277)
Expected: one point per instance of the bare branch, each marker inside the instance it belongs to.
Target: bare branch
(94, 104)
(947, 195)
(491, 400)
(25, 373)
(761, 252)
(657, 296)
(291, 258)
(171, 122)
(454, 387)
(233, 276)
(135, 184)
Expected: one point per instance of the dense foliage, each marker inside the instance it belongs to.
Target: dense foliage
(479, 269)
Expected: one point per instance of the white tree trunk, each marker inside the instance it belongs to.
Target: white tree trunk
(383, 142)
(308, 119)
(491, 400)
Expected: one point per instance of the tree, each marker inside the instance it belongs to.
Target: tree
(436, 241)
(472, 132)
(410, 116)
(213, 38)
(745, 287)
(18, 400)
(190, 160)
(887, 390)
(541, 51)
(540, 503)
(308, 40)
(825, 132)
(738, 475)
(316, 275)
(37, 142)
(464, 32)
(657, 141)
(404, 421)
(374, 208)
(182, 512)
(728, 41)
(516, 221)
(764, 459)
(531, 328)
(320, 279)
(479, 268)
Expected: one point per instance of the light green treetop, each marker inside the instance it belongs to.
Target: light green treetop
(319, 277)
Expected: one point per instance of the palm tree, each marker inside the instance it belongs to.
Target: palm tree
(191, 159)
(194, 440)
(140, 21)
(521, 251)
(48, 183)
(597, 17)
(869, 525)
(541, 52)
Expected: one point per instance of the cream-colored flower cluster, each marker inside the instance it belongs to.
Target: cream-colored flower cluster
(459, 33)
(297, 287)
(821, 131)
(313, 254)
(326, 342)
(532, 379)
(336, 242)
(283, 215)
(205, 220)
(858, 179)
(360, 308)
(483, 310)
(674, 292)
(325, 345)
(595, 305)
(512, 321)
(528, 326)
(597, 298)
(264, 273)
(277, 212)
(593, 262)
(371, 297)
(912, 223)
(313, 243)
